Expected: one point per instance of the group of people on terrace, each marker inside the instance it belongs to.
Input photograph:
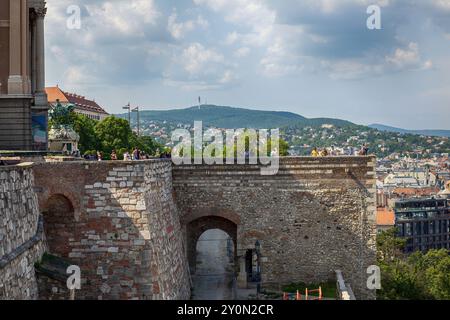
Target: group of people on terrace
(135, 155)
(325, 152)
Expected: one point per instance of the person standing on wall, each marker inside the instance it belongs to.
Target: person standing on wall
(113, 155)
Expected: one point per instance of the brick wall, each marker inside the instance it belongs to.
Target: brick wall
(119, 223)
(317, 215)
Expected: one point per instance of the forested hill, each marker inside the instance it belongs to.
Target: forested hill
(430, 133)
(233, 118)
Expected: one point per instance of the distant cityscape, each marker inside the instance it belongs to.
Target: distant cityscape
(413, 170)
(102, 206)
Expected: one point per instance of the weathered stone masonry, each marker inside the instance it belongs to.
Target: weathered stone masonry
(132, 226)
(315, 216)
(123, 228)
(21, 233)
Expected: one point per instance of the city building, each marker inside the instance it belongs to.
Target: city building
(405, 193)
(446, 193)
(415, 177)
(82, 105)
(385, 219)
(425, 223)
(23, 101)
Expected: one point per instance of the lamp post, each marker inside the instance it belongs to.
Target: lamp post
(128, 107)
(138, 122)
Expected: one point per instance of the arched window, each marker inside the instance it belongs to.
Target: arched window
(59, 224)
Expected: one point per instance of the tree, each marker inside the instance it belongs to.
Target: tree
(85, 127)
(389, 246)
(145, 143)
(398, 279)
(417, 276)
(113, 134)
(284, 148)
(437, 273)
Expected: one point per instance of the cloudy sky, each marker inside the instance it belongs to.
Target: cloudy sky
(316, 58)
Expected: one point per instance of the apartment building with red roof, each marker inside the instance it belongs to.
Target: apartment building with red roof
(84, 106)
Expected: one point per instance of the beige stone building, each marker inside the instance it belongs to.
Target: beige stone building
(89, 108)
(23, 101)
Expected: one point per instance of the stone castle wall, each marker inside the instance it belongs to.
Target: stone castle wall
(317, 215)
(119, 223)
(21, 233)
(131, 226)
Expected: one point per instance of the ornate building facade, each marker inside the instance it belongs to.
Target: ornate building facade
(23, 100)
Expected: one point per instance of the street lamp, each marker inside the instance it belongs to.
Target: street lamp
(128, 107)
(138, 122)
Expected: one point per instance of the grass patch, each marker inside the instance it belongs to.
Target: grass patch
(272, 295)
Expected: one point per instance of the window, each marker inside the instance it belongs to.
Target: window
(418, 229)
(408, 231)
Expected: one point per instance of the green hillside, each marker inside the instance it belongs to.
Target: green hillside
(233, 118)
(428, 133)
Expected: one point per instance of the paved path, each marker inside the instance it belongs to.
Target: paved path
(213, 277)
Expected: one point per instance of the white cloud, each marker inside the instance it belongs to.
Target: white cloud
(199, 68)
(118, 41)
(196, 57)
(242, 52)
(252, 14)
(408, 58)
(102, 20)
(202, 22)
(283, 54)
(232, 38)
(405, 57)
(179, 29)
(348, 69)
(125, 17)
(78, 77)
(332, 6)
(228, 77)
(442, 4)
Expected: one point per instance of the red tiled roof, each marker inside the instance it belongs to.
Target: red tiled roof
(416, 191)
(80, 102)
(55, 93)
(385, 217)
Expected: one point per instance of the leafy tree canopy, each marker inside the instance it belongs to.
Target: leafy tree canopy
(418, 276)
(113, 134)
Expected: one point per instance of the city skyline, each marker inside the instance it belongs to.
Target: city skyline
(313, 58)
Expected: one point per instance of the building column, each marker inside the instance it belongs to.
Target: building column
(33, 53)
(25, 48)
(40, 95)
(16, 81)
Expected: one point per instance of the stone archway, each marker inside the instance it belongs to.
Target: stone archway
(199, 226)
(59, 222)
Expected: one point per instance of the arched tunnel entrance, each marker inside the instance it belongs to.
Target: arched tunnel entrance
(212, 244)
